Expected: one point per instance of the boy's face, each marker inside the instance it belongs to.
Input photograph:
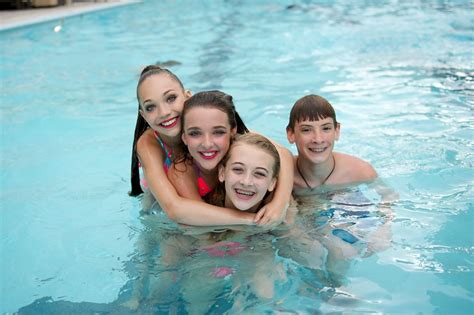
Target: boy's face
(314, 139)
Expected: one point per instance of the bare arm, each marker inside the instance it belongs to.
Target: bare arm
(274, 212)
(177, 208)
(183, 177)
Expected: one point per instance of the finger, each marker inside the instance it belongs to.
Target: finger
(265, 220)
(259, 216)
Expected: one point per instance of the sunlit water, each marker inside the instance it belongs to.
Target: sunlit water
(400, 75)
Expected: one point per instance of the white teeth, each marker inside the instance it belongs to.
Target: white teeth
(242, 192)
(169, 122)
(317, 150)
(208, 154)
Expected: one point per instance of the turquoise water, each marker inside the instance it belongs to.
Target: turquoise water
(400, 75)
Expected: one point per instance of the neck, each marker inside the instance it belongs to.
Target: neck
(171, 142)
(316, 174)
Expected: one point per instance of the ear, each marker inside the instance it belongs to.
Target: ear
(338, 130)
(183, 138)
(233, 131)
(141, 113)
(187, 94)
(290, 135)
(272, 185)
(221, 173)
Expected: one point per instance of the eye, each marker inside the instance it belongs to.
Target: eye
(219, 132)
(305, 130)
(171, 98)
(327, 128)
(149, 107)
(194, 133)
(237, 170)
(260, 174)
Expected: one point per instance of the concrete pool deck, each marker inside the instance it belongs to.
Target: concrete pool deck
(10, 19)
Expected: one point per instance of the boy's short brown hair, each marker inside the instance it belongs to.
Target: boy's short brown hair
(311, 107)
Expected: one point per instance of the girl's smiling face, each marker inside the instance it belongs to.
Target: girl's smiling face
(161, 103)
(248, 175)
(207, 134)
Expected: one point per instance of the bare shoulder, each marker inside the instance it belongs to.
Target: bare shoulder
(147, 140)
(354, 168)
(149, 150)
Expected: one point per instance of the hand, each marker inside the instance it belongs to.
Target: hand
(379, 240)
(269, 216)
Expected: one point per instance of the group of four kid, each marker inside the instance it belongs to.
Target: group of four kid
(196, 157)
(182, 140)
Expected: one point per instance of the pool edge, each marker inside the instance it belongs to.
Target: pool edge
(65, 13)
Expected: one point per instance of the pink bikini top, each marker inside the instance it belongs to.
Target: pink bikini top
(203, 187)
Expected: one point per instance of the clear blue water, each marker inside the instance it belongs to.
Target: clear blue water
(399, 73)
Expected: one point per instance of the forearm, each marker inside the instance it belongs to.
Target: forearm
(179, 209)
(284, 187)
(199, 213)
(193, 212)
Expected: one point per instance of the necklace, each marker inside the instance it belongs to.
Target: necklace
(324, 181)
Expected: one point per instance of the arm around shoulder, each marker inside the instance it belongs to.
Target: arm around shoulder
(274, 212)
(179, 209)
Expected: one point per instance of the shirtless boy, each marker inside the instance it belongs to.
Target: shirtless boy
(314, 129)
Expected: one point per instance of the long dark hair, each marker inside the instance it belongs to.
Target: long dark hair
(141, 125)
(210, 99)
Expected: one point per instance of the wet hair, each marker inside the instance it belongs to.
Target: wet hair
(210, 99)
(217, 196)
(313, 108)
(141, 125)
(261, 143)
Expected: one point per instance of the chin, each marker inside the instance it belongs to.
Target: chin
(243, 207)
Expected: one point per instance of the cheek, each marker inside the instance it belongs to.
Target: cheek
(178, 106)
(224, 143)
(190, 142)
(262, 185)
(148, 117)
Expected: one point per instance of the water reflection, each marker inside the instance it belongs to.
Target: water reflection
(302, 265)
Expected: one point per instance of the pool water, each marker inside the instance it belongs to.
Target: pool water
(399, 73)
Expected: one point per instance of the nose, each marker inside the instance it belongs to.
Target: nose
(207, 141)
(246, 179)
(164, 111)
(317, 136)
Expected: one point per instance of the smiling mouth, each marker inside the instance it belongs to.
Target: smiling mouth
(208, 155)
(244, 194)
(317, 150)
(170, 123)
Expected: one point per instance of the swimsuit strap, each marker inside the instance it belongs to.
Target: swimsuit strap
(168, 161)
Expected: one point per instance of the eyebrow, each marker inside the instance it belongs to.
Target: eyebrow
(258, 167)
(192, 128)
(166, 92)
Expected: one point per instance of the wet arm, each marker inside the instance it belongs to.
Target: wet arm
(179, 209)
(183, 178)
(274, 212)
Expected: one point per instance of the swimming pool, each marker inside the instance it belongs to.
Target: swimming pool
(400, 75)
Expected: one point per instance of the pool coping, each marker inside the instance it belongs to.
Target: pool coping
(17, 19)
